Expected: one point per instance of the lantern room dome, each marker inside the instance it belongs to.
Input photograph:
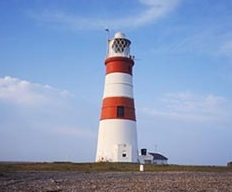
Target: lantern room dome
(119, 35)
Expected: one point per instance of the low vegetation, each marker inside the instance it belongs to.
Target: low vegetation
(104, 167)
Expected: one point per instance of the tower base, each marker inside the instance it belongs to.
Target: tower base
(117, 141)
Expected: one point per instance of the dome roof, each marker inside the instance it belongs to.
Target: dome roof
(119, 35)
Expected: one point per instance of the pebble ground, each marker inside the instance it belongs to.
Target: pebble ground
(116, 182)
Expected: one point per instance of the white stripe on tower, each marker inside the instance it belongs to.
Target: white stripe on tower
(117, 137)
(118, 84)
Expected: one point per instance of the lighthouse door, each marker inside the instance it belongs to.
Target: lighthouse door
(124, 153)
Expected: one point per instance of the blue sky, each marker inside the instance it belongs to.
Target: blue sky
(52, 76)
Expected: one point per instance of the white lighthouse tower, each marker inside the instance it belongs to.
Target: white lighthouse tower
(117, 136)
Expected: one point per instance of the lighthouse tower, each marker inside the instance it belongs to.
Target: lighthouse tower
(117, 136)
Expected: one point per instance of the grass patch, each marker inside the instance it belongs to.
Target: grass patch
(105, 167)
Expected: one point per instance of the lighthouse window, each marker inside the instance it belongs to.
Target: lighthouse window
(120, 111)
(124, 154)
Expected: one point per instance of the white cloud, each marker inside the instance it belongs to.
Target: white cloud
(184, 40)
(156, 10)
(226, 48)
(74, 132)
(41, 122)
(29, 94)
(152, 11)
(48, 109)
(192, 107)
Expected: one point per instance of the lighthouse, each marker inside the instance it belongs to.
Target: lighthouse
(117, 134)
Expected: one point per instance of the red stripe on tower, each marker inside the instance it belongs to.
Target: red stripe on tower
(118, 108)
(119, 64)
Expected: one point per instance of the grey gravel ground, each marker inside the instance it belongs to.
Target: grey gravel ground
(116, 182)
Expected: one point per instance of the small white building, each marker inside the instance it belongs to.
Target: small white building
(152, 158)
(159, 159)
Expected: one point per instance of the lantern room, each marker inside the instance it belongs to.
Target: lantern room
(119, 46)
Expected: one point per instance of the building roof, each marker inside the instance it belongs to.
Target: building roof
(158, 156)
(229, 164)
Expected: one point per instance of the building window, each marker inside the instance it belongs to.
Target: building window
(120, 111)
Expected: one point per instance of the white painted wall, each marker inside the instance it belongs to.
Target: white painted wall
(118, 84)
(160, 162)
(115, 132)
